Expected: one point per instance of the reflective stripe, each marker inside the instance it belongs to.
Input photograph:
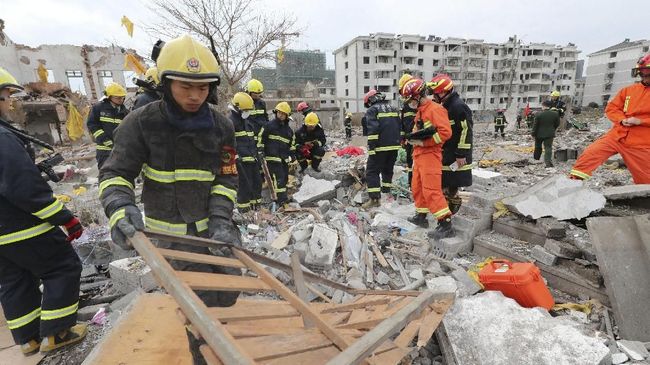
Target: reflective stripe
(422, 210)
(248, 159)
(104, 148)
(222, 190)
(317, 157)
(25, 234)
(463, 136)
(257, 111)
(110, 120)
(374, 190)
(244, 205)
(427, 124)
(24, 320)
(50, 210)
(174, 228)
(442, 213)
(626, 104)
(116, 216)
(114, 181)
(48, 315)
(272, 159)
(260, 142)
(436, 138)
(371, 152)
(244, 134)
(98, 133)
(293, 143)
(386, 185)
(169, 177)
(388, 148)
(452, 122)
(279, 138)
(466, 167)
(108, 143)
(202, 225)
(387, 115)
(409, 114)
(373, 137)
(580, 174)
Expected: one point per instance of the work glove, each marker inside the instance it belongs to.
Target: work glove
(73, 228)
(126, 226)
(224, 230)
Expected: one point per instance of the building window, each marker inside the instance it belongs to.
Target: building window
(366, 60)
(366, 44)
(346, 78)
(645, 49)
(436, 62)
(420, 47)
(435, 48)
(105, 78)
(366, 89)
(76, 81)
(491, 100)
(347, 93)
(613, 54)
(366, 75)
(346, 65)
(345, 51)
(323, 101)
(331, 101)
(128, 79)
(347, 105)
(50, 75)
(420, 62)
(496, 51)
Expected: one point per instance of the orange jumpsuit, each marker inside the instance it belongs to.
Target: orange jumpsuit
(427, 160)
(633, 143)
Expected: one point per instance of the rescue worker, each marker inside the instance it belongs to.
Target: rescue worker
(557, 105)
(258, 117)
(519, 119)
(430, 131)
(148, 95)
(500, 124)
(276, 144)
(249, 194)
(629, 112)
(104, 117)
(310, 140)
(185, 150)
(543, 132)
(530, 119)
(33, 250)
(407, 115)
(384, 129)
(304, 108)
(347, 123)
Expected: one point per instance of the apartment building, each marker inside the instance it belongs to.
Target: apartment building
(488, 76)
(610, 69)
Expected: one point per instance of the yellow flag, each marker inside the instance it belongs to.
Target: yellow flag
(280, 55)
(132, 63)
(74, 124)
(42, 73)
(128, 24)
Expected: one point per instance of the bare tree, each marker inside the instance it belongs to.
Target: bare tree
(241, 36)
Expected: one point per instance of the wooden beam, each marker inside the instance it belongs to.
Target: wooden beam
(209, 281)
(320, 295)
(299, 282)
(212, 332)
(209, 356)
(200, 258)
(292, 298)
(375, 337)
(403, 293)
(351, 306)
(262, 310)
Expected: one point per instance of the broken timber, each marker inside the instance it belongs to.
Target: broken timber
(274, 331)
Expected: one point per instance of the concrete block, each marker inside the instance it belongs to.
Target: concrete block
(627, 192)
(434, 268)
(552, 228)
(323, 206)
(382, 278)
(131, 273)
(442, 284)
(88, 270)
(313, 190)
(556, 196)
(416, 274)
(467, 285)
(562, 249)
(87, 313)
(619, 358)
(543, 256)
(322, 247)
(520, 230)
(634, 349)
(452, 246)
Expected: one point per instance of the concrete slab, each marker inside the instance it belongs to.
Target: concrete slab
(322, 247)
(623, 249)
(131, 273)
(626, 192)
(543, 256)
(634, 349)
(313, 190)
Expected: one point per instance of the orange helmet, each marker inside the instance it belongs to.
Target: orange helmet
(642, 66)
(440, 83)
(413, 88)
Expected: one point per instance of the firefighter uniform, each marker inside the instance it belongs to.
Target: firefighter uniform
(102, 121)
(407, 115)
(278, 144)
(458, 146)
(558, 106)
(384, 131)
(499, 125)
(190, 177)
(632, 143)
(543, 131)
(144, 98)
(427, 159)
(530, 120)
(249, 194)
(33, 250)
(258, 117)
(310, 153)
(347, 123)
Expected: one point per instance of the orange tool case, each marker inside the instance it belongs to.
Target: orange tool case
(521, 281)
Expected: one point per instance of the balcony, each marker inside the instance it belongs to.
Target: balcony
(410, 52)
(384, 81)
(389, 52)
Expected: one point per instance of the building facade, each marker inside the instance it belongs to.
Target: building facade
(488, 76)
(610, 69)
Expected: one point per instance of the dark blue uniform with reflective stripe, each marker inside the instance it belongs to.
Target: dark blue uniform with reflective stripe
(384, 133)
(460, 143)
(102, 121)
(318, 140)
(259, 117)
(277, 141)
(249, 192)
(408, 116)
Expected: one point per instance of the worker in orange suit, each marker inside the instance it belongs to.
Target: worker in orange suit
(629, 111)
(431, 128)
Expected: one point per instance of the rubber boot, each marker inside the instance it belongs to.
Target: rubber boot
(30, 348)
(444, 229)
(454, 203)
(420, 220)
(70, 336)
(371, 203)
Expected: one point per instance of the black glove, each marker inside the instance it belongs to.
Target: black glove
(226, 231)
(126, 226)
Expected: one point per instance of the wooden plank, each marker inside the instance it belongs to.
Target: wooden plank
(148, 333)
(212, 332)
(351, 306)
(404, 293)
(270, 347)
(380, 257)
(375, 337)
(316, 357)
(318, 293)
(241, 331)
(409, 332)
(429, 324)
(299, 282)
(252, 311)
(391, 357)
(209, 356)
(289, 296)
(201, 259)
(274, 322)
(209, 281)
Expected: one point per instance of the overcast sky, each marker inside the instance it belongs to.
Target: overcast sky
(591, 25)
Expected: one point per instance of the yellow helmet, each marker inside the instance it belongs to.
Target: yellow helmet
(284, 107)
(403, 80)
(348, 115)
(243, 101)
(114, 89)
(152, 75)
(555, 93)
(9, 82)
(311, 119)
(254, 86)
(185, 59)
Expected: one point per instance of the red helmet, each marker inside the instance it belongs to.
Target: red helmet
(440, 83)
(372, 97)
(642, 64)
(302, 106)
(412, 88)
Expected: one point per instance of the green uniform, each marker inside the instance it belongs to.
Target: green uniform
(544, 126)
